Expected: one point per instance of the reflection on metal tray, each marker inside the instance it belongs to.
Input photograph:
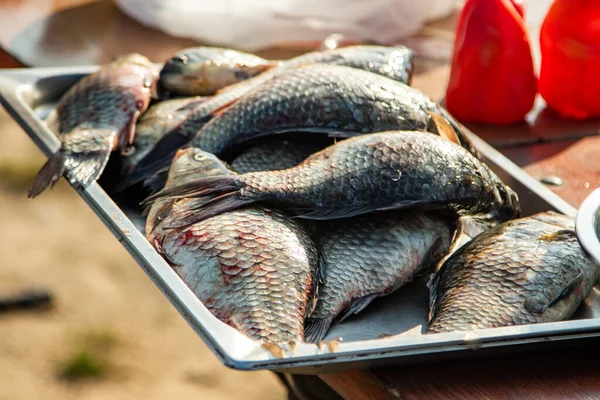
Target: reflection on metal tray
(389, 331)
(588, 225)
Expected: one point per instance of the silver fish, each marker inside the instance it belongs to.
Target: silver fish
(337, 100)
(253, 268)
(525, 271)
(277, 153)
(376, 172)
(94, 117)
(367, 257)
(205, 70)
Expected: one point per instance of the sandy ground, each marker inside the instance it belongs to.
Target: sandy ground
(109, 319)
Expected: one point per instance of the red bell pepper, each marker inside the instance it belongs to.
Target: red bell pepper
(520, 7)
(570, 47)
(492, 78)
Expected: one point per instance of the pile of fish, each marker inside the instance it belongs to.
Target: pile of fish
(290, 195)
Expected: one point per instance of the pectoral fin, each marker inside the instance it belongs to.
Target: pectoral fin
(542, 301)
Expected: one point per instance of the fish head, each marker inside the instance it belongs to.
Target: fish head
(192, 163)
(202, 71)
(142, 66)
(134, 152)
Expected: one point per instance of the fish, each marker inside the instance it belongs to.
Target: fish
(375, 172)
(154, 124)
(94, 117)
(397, 63)
(277, 153)
(253, 268)
(371, 256)
(526, 271)
(354, 56)
(160, 156)
(326, 99)
(203, 71)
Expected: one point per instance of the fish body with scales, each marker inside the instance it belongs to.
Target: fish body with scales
(337, 100)
(371, 256)
(355, 56)
(252, 268)
(94, 117)
(376, 172)
(277, 153)
(525, 271)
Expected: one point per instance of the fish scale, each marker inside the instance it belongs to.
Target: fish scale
(252, 268)
(252, 297)
(520, 272)
(368, 58)
(381, 171)
(336, 99)
(371, 256)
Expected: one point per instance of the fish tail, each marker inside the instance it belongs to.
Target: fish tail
(315, 329)
(48, 175)
(82, 158)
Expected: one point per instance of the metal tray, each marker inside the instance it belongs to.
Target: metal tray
(587, 225)
(388, 332)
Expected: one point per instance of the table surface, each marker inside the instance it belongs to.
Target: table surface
(46, 33)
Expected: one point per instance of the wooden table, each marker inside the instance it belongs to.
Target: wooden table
(42, 33)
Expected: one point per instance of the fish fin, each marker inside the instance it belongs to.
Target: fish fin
(128, 134)
(213, 185)
(218, 205)
(158, 246)
(162, 214)
(82, 158)
(318, 280)
(433, 284)
(50, 173)
(541, 302)
(338, 213)
(560, 235)
(358, 305)
(315, 329)
(156, 182)
(431, 258)
(330, 213)
(443, 128)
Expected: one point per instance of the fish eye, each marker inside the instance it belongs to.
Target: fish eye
(181, 58)
(129, 150)
(198, 157)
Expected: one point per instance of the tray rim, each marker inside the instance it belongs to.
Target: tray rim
(225, 342)
(586, 225)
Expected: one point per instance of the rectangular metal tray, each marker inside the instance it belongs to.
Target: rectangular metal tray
(388, 332)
